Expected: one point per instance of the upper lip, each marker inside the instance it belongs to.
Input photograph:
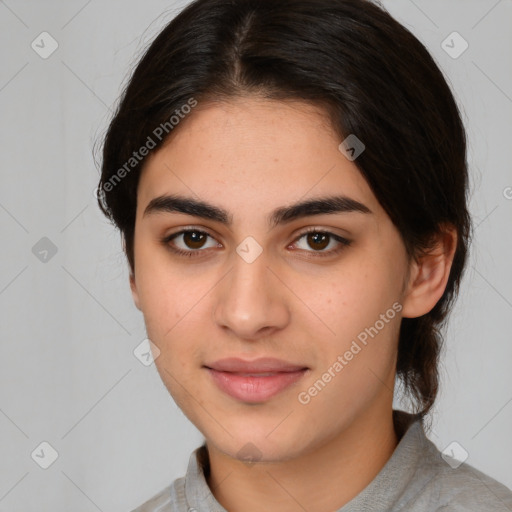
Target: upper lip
(261, 365)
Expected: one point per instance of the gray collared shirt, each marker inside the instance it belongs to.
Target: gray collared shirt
(415, 479)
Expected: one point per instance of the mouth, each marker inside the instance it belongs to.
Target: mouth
(254, 381)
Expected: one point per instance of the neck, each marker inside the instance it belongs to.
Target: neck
(322, 479)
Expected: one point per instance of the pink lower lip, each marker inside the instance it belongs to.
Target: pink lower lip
(254, 389)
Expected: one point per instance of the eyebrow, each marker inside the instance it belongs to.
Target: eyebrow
(281, 215)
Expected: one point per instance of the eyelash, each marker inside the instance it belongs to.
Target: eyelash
(197, 252)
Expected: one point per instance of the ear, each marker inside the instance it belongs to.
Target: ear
(429, 275)
(133, 285)
(135, 293)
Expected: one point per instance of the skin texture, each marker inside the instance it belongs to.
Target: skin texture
(249, 156)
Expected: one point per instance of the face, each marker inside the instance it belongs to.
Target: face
(318, 290)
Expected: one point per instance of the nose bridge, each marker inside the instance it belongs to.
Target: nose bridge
(251, 299)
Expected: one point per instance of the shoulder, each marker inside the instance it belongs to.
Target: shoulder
(419, 478)
(468, 489)
(460, 488)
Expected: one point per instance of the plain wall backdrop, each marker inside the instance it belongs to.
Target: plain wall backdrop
(68, 374)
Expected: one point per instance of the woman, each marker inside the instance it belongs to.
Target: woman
(290, 181)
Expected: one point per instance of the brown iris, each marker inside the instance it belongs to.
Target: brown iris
(321, 240)
(194, 239)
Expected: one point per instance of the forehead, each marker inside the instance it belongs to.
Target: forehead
(253, 155)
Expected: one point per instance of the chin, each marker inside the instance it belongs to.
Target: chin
(257, 450)
(252, 442)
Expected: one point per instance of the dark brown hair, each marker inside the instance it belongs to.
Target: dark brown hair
(373, 78)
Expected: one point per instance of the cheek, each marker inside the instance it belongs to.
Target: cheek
(166, 295)
(359, 306)
(348, 298)
(173, 322)
(354, 370)
(175, 309)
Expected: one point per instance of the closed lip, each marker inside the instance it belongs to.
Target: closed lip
(261, 365)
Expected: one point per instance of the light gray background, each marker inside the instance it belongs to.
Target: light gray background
(68, 374)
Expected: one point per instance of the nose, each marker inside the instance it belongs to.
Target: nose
(251, 301)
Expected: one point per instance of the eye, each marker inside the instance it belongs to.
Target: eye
(188, 242)
(192, 242)
(320, 240)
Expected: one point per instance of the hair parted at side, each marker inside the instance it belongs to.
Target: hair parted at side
(372, 77)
